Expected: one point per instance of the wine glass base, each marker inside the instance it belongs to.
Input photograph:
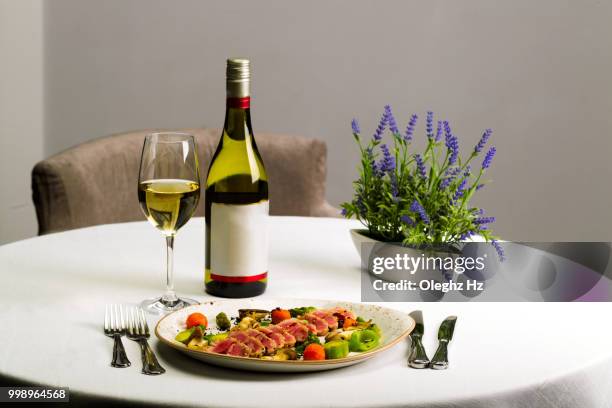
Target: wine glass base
(157, 306)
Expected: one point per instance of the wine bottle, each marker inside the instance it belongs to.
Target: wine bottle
(236, 199)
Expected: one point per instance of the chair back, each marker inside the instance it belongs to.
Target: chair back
(96, 182)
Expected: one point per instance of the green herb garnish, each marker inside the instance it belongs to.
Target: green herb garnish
(300, 311)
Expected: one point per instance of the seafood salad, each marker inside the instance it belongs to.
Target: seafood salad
(302, 333)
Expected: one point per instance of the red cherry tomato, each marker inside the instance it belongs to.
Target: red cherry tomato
(314, 351)
(278, 315)
(196, 319)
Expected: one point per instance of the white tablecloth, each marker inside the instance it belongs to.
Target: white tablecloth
(54, 289)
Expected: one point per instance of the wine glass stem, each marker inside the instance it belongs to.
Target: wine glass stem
(169, 298)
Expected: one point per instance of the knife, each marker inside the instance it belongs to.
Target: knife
(417, 357)
(445, 335)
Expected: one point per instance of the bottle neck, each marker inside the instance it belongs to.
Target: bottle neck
(237, 122)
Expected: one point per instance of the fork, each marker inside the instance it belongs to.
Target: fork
(114, 326)
(138, 330)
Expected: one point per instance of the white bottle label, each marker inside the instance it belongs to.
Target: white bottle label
(239, 241)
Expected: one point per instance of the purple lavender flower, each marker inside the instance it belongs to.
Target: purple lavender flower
(484, 220)
(391, 120)
(451, 173)
(394, 188)
(451, 144)
(355, 126)
(460, 190)
(488, 158)
(439, 131)
(454, 153)
(418, 208)
(420, 166)
(499, 249)
(373, 164)
(382, 124)
(429, 124)
(375, 170)
(483, 141)
(466, 235)
(410, 128)
(461, 187)
(407, 220)
(478, 187)
(343, 212)
(448, 133)
(445, 182)
(387, 164)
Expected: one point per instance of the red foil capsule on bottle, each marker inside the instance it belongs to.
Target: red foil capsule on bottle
(241, 103)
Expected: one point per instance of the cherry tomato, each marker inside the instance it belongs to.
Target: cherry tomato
(278, 315)
(196, 319)
(314, 351)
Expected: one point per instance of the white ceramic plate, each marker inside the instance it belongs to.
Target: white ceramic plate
(395, 326)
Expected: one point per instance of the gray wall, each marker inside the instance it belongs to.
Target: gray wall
(21, 113)
(538, 72)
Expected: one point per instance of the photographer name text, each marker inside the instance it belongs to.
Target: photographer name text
(428, 285)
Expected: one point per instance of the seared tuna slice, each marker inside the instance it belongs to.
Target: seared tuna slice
(345, 314)
(256, 348)
(268, 343)
(320, 324)
(238, 349)
(330, 319)
(287, 337)
(278, 337)
(223, 346)
(298, 328)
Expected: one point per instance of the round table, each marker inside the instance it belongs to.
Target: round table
(55, 287)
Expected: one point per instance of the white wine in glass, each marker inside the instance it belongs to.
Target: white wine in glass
(168, 203)
(169, 193)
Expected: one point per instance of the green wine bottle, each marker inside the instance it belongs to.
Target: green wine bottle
(236, 199)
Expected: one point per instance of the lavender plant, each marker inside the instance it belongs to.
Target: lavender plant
(420, 199)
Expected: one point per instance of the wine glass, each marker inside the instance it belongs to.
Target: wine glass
(168, 192)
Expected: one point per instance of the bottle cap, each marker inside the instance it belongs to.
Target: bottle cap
(238, 77)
